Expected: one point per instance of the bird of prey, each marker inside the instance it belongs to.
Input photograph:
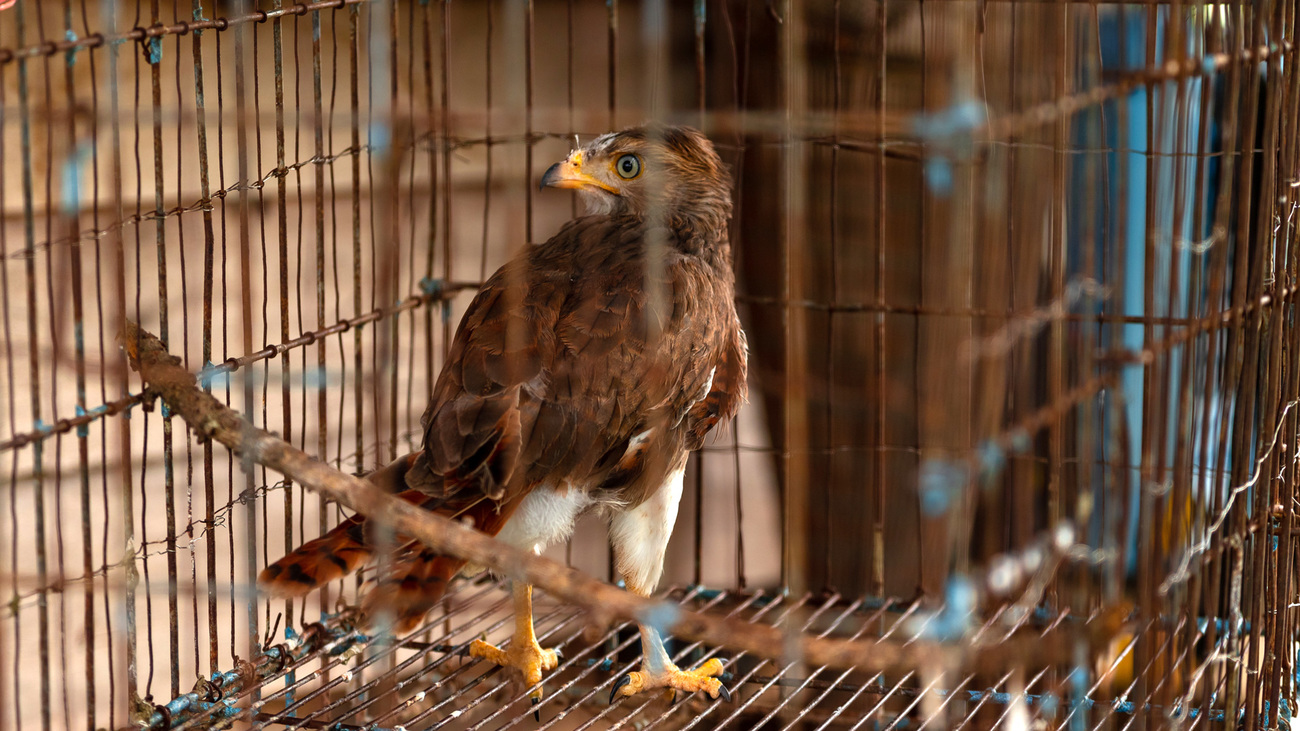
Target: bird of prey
(582, 375)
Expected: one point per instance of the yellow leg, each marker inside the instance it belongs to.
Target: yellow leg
(659, 671)
(523, 654)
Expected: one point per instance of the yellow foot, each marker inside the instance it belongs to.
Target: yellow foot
(674, 679)
(527, 657)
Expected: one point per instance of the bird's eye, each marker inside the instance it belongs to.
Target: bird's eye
(628, 167)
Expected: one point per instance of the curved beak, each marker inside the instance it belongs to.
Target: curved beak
(569, 174)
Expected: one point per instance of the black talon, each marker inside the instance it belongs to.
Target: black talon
(726, 694)
(537, 713)
(613, 694)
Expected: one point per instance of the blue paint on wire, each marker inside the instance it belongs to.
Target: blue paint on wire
(70, 175)
(661, 617)
(70, 56)
(153, 50)
(380, 137)
(432, 287)
(939, 482)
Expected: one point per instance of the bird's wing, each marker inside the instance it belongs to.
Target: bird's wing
(566, 355)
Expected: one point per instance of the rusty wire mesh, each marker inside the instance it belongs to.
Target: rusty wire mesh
(1018, 277)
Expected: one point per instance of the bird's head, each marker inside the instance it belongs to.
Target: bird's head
(663, 173)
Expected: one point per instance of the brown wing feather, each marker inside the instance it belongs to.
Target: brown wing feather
(560, 361)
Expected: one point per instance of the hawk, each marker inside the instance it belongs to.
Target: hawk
(581, 377)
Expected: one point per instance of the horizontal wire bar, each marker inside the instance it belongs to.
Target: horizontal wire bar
(436, 291)
(140, 34)
(211, 699)
(202, 204)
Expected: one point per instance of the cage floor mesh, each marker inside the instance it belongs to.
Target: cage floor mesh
(329, 676)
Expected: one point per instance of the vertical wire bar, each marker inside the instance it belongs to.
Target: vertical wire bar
(1057, 266)
(1225, 559)
(833, 240)
(529, 17)
(696, 457)
(182, 247)
(1177, 305)
(1117, 428)
(487, 135)
(1263, 275)
(1095, 230)
(318, 154)
(611, 34)
(100, 299)
(1153, 502)
(118, 366)
(209, 240)
(34, 363)
(1249, 283)
(137, 150)
(261, 371)
(79, 343)
(1217, 365)
(286, 407)
(1197, 366)
(431, 123)
(57, 313)
(438, 133)
(795, 448)
(160, 245)
(400, 135)
(374, 146)
(876, 547)
(282, 221)
(417, 136)
(299, 287)
(1190, 430)
(739, 95)
(444, 47)
(334, 240)
(223, 298)
(243, 204)
(354, 119)
(1282, 566)
(306, 379)
(11, 401)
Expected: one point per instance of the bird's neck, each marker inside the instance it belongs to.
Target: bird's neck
(700, 229)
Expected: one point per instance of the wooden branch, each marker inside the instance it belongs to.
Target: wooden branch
(211, 419)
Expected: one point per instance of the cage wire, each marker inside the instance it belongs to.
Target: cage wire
(1018, 279)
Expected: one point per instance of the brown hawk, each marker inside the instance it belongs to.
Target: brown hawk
(582, 375)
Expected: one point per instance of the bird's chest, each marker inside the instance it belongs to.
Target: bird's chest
(546, 516)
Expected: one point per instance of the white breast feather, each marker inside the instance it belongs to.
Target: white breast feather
(545, 517)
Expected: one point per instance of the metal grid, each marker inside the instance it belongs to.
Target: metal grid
(1018, 276)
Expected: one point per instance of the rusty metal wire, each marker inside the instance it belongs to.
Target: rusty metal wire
(1019, 280)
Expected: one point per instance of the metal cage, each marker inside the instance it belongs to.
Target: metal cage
(1019, 282)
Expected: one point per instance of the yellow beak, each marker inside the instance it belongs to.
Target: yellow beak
(569, 174)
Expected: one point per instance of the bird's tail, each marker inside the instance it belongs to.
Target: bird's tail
(417, 577)
(340, 551)
(413, 580)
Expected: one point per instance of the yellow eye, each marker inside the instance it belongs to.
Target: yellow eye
(628, 167)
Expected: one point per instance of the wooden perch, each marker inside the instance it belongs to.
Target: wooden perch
(165, 376)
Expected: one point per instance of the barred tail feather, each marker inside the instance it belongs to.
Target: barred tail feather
(411, 587)
(316, 563)
(417, 578)
(340, 551)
